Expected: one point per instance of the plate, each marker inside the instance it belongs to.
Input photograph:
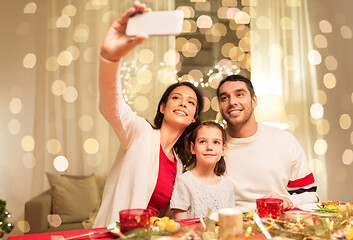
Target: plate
(214, 216)
(309, 206)
(114, 230)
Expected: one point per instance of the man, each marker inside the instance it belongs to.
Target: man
(263, 161)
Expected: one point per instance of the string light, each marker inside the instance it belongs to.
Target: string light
(222, 69)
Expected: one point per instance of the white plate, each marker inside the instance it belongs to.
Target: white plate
(214, 216)
(309, 206)
(115, 230)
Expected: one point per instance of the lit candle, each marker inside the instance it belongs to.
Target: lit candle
(230, 223)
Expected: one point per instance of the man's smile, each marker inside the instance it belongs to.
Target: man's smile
(234, 112)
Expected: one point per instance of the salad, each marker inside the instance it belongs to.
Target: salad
(329, 207)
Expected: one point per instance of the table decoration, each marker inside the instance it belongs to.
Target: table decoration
(230, 223)
(295, 224)
(134, 218)
(166, 228)
(306, 225)
(184, 233)
(270, 207)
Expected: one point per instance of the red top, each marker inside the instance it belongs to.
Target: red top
(165, 182)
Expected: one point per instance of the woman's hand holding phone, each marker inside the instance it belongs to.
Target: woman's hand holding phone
(116, 43)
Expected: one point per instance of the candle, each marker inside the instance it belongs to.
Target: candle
(134, 218)
(270, 207)
(230, 223)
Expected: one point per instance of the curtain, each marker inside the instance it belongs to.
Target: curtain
(283, 65)
(70, 135)
(50, 120)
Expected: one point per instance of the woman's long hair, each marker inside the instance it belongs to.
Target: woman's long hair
(179, 146)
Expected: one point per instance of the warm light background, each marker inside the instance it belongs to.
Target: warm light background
(49, 98)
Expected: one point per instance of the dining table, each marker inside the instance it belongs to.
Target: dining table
(94, 233)
(100, 236)
(65, 234)
(299, 223)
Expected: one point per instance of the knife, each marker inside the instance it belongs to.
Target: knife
(91, 233)
(259, 223)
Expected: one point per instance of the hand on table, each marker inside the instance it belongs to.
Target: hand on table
(287, 204)
(116, 43)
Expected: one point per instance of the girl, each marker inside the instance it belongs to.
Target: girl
(145, 169)
(204, 186)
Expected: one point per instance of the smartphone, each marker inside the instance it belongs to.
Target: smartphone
(158, 23)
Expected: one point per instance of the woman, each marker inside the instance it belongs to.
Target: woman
(145, 169)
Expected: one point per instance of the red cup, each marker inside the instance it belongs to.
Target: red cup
(134, 218)
(270, 207)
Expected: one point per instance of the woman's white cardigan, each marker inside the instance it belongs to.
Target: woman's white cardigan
(134, 173)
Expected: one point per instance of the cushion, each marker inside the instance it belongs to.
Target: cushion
(74, 197)
(101, 183)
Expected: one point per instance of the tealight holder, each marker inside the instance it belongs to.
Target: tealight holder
(270, 207)
(134, 218)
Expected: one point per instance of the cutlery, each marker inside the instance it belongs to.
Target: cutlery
(91, 233)
(189, 221)
(259, 223)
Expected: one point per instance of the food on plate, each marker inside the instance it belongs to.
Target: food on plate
(336, 203)
(165, 219)
(153, 219)
(164, 224)
(161, 225)
(250, 215)
(171, 226)
(329, 207)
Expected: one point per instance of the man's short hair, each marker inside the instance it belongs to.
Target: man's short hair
(237, 78)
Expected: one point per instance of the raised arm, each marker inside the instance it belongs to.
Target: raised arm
(117, 44)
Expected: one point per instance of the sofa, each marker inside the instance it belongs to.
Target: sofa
(72, 202)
